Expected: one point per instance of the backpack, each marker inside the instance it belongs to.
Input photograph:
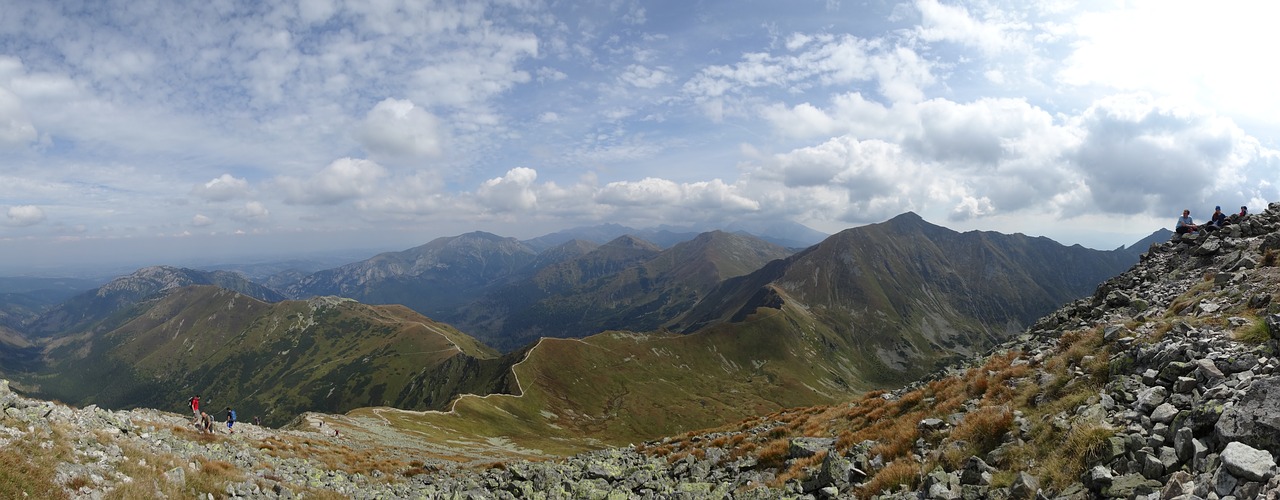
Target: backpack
(233, 415)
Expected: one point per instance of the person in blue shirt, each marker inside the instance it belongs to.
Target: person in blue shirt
(1185, 225)
(1218, 220)
(231, 419)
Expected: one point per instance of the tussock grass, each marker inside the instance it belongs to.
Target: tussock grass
(1256, 332)
(27, 468)
(900, 472)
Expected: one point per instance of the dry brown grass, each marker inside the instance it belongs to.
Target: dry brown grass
(800, 469)
(774, 453)
(900, 472)
(27, 465)
(981, 430)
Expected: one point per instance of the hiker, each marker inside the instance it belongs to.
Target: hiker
(1216, 221)
(231, 420)
(194, 403)
(1185, 225)
(257, 421)
(206, 423)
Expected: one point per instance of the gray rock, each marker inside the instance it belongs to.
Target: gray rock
(1025, 486)
(1255, 420)
(976, 472)
(1098, 478)
(1131, 485)
(1164, 413)
(806, 447)
(1248, 463)
(1150, 398)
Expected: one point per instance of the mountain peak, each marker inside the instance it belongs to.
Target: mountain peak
(629, 241)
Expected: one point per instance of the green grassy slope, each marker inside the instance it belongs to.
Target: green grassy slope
(271, 360)
(619, 387)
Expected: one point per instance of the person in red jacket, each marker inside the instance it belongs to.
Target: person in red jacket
(194, 403)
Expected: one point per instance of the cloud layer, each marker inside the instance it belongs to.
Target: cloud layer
(522, 117)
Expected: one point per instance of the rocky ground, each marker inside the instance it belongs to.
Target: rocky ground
(1161, 385)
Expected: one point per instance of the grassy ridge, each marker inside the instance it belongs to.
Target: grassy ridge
(620, 387)
(271, 360)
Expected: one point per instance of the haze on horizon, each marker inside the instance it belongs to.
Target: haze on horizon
(136, 132)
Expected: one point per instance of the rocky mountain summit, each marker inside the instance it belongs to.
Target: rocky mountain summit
(1162, 384)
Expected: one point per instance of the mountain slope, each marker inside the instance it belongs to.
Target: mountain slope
(625, 284)
(92, 307)
(905, 294)
(273, 360)
(433, 278)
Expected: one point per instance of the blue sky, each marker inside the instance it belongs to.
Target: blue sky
(146, 130)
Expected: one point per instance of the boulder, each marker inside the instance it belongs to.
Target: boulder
(1255, 419)
(806, 447)
(1247, 462)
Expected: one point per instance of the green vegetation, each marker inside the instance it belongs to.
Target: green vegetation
(272, 360)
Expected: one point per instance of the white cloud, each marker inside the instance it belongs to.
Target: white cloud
(828, 60)
(1141, 155)
(252, 211)
(25, 215)
(1183, 50)
(399, 130)
(646, 78)
(223, 188)
(16, 128)
(511, 192)
(201, 220)
(954, 23)
(548, 117)
(342, 180)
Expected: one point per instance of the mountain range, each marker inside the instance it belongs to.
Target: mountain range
(1159, 383)
(724, 314)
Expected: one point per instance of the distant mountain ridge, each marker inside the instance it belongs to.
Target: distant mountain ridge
(433, 278)
(785, 234)
(89, 308)
(626, 284)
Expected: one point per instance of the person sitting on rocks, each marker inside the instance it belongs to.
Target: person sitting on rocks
(1218, 220)
(1185, 225)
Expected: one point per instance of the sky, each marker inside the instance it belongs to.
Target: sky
(153, 131)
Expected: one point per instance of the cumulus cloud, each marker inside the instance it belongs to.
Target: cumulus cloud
(670, 196)
(399, 130)
(223, 188)
(1142, 155)
(511, 192)
(252, 211)
(25, 215)
(342, 180)
(954, 23)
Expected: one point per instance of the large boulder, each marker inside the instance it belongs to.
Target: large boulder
(1246, 462)
(1255, 420)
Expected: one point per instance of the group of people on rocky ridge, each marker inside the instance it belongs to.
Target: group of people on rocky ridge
(1219, 219)
(203, 421)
